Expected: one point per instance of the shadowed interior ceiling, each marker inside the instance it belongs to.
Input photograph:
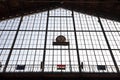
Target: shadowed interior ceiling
(105, 8)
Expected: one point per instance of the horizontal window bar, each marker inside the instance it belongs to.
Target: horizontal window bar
(61, 16)
(66, 30)
(49, 49)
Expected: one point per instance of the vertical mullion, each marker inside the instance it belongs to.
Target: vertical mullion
(99, 42)
(20, 49)
(33, 44)
(14, 55)
(84, 41)
(110, 50)
(112, 35)
(92, 42)
(117, 37)
(46, 32)
(53, 40)
(6, 64)
(36, 44)
(76, 41)
(31, 34)
(70, 66)
(60, 34)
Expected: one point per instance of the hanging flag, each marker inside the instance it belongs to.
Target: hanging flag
(41, 65)
(61, 67)
(20, 67)
(0, 64)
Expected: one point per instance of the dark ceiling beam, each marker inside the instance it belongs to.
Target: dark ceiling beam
(111, 11)
(75, 1)
(55, 75)
(105, 8)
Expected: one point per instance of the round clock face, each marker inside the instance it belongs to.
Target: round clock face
(60, 39)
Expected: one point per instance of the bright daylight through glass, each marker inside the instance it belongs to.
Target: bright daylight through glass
(28, 43)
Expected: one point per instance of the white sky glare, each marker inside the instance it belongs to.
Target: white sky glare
(29, 45)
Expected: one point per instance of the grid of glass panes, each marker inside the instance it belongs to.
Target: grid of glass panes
(112, 30)
(93, 49)
(29, 44)
(7, 34)
(61, 23)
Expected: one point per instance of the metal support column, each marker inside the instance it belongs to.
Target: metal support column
(110, 50)
(11, 49)
(44, 53)
(76, 41)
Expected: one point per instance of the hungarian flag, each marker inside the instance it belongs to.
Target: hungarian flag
(61, 67)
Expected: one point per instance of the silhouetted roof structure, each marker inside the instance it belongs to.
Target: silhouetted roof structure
(104, 8)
